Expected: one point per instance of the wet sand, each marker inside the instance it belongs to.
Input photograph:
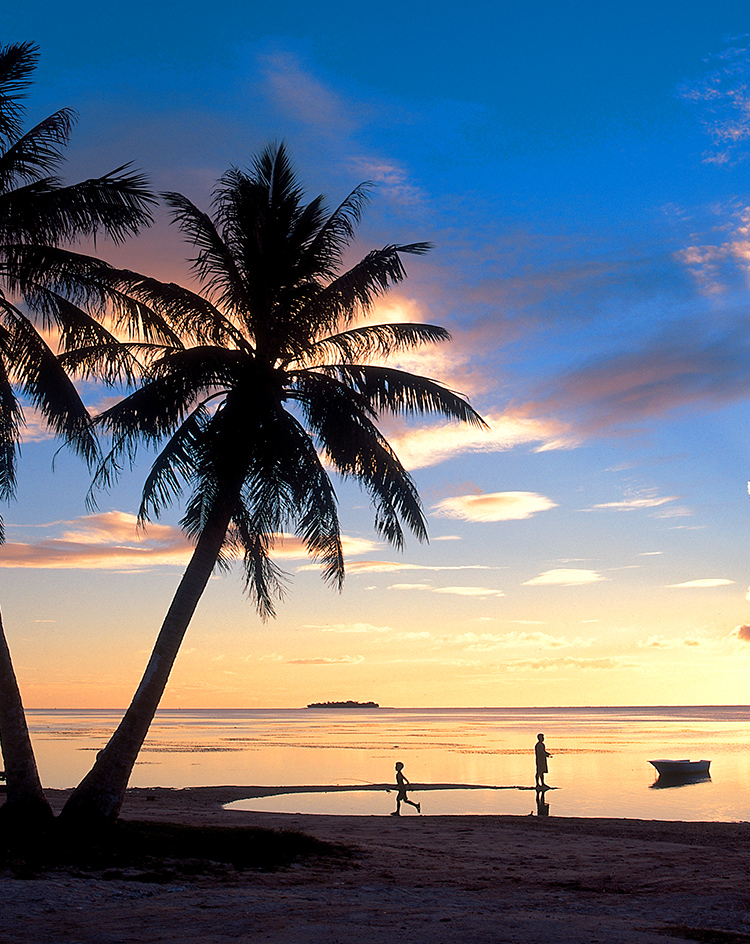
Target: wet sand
(422, 879)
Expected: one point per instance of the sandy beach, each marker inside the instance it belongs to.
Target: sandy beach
(424, 879)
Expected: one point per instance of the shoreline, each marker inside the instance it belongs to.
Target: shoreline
(495, 879)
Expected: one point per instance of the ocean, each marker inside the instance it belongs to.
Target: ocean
(599, 765)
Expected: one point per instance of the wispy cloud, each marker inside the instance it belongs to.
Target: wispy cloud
(493, 506)
(113, 541)
(357, 628)
(340, 660)
(383, 567)
(658, 641)
(456, 591)
(298, 93)
(650, 500)
(562, 662)
(722, 95)
(488, 642)
(564, 577)
(424, 446)
(109, 540)
(470, 591)
(684, 365)
(702, 583)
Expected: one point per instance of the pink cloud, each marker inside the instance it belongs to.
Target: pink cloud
(112, 541)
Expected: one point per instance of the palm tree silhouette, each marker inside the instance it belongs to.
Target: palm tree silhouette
(268, 384)
(39, 218)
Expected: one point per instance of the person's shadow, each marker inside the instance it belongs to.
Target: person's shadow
(542, 806)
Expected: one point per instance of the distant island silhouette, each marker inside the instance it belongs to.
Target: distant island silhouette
(344, 704)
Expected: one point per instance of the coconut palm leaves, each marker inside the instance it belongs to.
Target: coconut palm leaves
(39, 218)
(268, 386)
(40, 281)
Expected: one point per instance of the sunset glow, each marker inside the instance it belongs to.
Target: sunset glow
(583, 177)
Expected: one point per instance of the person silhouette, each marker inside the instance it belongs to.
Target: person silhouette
(401, 797)
(540, 750)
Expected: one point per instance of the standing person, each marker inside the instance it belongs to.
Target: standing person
(540, 749)
(402, 783)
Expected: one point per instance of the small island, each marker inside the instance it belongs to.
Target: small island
(344, 704)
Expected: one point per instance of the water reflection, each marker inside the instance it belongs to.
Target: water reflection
(679, 780)
(378, 802)
(542, 806)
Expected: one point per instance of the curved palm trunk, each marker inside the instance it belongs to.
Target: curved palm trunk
(25, 802)
(99, 796)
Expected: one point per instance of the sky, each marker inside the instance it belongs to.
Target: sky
(582, 171)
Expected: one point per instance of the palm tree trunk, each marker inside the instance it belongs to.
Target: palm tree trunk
(25, 803)
(98, 798)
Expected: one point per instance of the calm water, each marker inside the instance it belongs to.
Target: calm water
(600, 763)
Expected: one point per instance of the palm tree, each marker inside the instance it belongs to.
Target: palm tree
(39, 218)
(268, 384)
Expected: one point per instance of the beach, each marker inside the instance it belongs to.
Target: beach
(423, 879)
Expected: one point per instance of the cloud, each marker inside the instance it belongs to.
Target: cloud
(424, 446)
(391, 178)
(494, 506)
(564, 577)
(341, 660)
(696, 362)
(742, 633)
(35, 428)
(717, 265)
(298, 93)
(109, 540)
(487, 642)
(650, 500)
(563, 662)
(383, 567)
(470, 591)
(457, 591)
(662, 642)
(701, 584)
(722, 97)
(113, 541)
(290, 547)
(352, 628)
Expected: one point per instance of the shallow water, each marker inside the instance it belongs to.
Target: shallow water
(600, 763)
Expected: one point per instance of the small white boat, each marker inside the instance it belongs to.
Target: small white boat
(681, 768)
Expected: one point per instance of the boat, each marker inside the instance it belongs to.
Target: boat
(681, 768)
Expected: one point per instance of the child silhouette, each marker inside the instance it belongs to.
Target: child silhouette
(402, 783)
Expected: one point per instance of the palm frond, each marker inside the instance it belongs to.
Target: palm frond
(371, 341)
(215, 264)
(322, 257)
(353, 292)
(357, 449)
(11, 420)
(17, 63)
(188, 316)
(173, 467)
(36, 153)
(387, 389)
(43, 212)
(41, 377)
(265, 581)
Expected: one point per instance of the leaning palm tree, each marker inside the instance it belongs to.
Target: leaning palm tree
(40, 218)
(268, 385)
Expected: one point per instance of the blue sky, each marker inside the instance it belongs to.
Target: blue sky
(582, 170)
